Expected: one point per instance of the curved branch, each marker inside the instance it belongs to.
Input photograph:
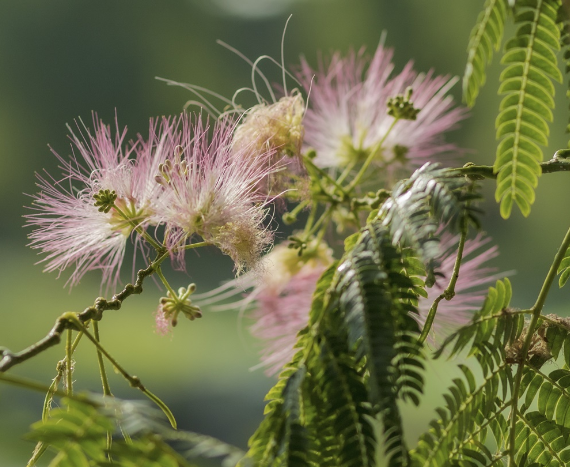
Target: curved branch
(95, 312)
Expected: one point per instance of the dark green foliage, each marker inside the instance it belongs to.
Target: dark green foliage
(485, 36)
(357, 357)
(346, 397)
(522, 124)
(474, 414)
(77, 433)
(375, 301)
(429, 198)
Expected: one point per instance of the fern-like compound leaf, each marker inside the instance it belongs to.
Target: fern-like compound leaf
(347, 397)
(486, 35)
(541, 440)
(461, 431)
(430, 197)
(494, 324)
(522, 123)
(376, 299)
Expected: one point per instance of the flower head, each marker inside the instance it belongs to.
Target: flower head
(277, 126)
(72, 227)
(283, 301)
(279, 298)
(348, 118)
(211, 190)
(469, 289)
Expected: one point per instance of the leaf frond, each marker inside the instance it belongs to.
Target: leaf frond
(522, 123)
(485, 37)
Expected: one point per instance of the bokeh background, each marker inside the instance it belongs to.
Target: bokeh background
(63, 59)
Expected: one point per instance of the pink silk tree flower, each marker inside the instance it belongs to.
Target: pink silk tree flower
(347, 117)
(212, 190)
(470, 289)
(69, 229)
(278, 299)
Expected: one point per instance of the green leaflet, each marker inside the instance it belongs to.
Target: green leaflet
(541, 440)
(282, 430)
(564, 269)
(346, 397)
(522, 123)
(485, 36)
(77, 432)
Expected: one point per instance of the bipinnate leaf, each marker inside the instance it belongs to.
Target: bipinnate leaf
(522, 123)
(419, 205)
(541, 440)
(77, 433)
(485, 37)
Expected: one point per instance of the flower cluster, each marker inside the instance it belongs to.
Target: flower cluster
(195, 182)
(181, 178)
(347, 119)
(278, 300)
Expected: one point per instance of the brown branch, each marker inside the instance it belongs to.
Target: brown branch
(95, 312)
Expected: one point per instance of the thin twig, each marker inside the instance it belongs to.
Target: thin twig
(486, 171)
(95, 312)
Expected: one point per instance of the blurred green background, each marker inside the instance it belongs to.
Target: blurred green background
(62, 59)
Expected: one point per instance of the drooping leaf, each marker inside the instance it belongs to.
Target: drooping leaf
(522, 123)
(485, 36)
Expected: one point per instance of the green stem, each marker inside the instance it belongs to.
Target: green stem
(346, 172)
(370, 157)
(143, 233)
(449, 292)
(39, 451)
(315, 227)
(196, 245)
(134, 381)
(536, 311)
(486, 171)
(68, 369)
(297, 209)
(159, 273)
(325, 175)
(35, 386)
(52, 389)
(101, 363)
(311, 217)
(104, 382)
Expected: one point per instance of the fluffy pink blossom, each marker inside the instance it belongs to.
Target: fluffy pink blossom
(279, 316)
(470, 289)
(69, 228)
(278, 300)
(211, 190)
(347, 116)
